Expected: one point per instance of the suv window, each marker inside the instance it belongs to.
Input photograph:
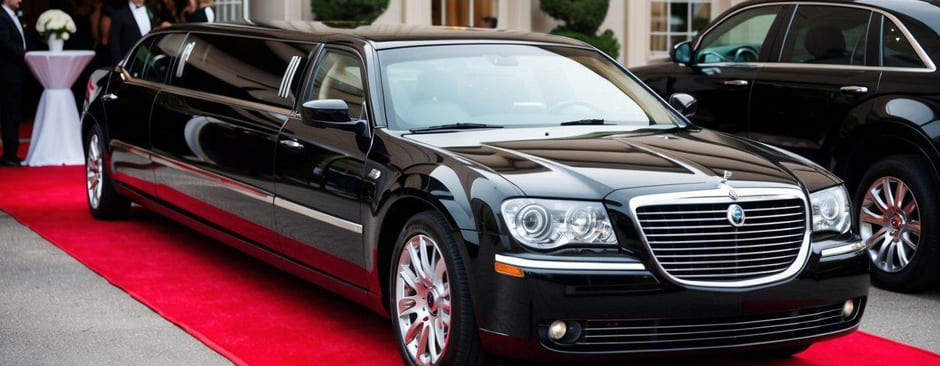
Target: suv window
(829, 35)
(250, 69)
(739, 38)
(339, 76)
(897, 51)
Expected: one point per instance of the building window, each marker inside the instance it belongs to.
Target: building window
(675, 21)
(464, 13)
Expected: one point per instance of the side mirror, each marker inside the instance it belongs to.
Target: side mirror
(682, 53)
(684, 103)
(332, 113)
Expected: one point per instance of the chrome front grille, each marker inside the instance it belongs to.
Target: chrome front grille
(697, 242)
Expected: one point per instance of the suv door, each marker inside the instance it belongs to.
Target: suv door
(215, 130)
(821, 73)
(721, 73)
(320, 175)
(128, 102)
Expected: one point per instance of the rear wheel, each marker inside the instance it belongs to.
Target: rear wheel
(897, 208)
(429, 297)
(103, 201)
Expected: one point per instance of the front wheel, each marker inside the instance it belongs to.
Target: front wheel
(103, 202)
(429, 297)
(897, 210)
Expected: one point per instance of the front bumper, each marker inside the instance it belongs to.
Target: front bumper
(627, 308)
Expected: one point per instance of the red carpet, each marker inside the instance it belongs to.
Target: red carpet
(252, 313)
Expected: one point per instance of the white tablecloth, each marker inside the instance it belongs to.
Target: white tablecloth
(57, 132)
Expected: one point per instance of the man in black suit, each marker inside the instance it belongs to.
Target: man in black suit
(128, 25)
(13, 73)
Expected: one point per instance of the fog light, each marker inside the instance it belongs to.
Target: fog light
(557, 330)
(847, 310)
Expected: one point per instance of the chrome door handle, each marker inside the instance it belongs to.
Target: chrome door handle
(293, 145)
(109, 97)
(854, 89)
(737, 83)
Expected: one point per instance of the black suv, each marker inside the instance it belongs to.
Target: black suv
(519, 194)
(851, 85)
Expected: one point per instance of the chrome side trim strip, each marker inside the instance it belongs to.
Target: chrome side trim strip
(843, 249)
(233, 185)
(568, 265)
(317, 215)
(924, 57)
(720, 195)
(184, 58)
(288, 79)
(130, 148)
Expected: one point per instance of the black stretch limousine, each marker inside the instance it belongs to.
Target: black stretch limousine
(494, 193)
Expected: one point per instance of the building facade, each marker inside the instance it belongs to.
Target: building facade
(647, 29)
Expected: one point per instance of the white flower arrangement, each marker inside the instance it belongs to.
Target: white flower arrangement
(55, 22)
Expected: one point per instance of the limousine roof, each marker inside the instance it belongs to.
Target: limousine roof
(381, 36)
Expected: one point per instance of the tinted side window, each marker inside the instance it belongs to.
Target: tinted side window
(245, 68)
(157, 60)
(897, 51)
(137, 62)
(339, 76)
(739, 38)
(827, 35)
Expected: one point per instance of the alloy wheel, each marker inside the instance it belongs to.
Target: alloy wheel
(422, 299)
(890, 224)
(93, 172)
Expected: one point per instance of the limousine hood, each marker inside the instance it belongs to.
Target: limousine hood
(592, 161)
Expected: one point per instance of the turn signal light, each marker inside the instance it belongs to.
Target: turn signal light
(508, 270)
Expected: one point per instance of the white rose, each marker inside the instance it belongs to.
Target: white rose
(64, 36)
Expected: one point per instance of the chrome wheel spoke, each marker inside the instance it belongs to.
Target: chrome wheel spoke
(870, 218)
(910, 208)
(911, 244)
(913, 227)
(886, 190)
(900, 195)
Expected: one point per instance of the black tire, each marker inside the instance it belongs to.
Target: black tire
(110, 205)
(463, 345)
(924, 267)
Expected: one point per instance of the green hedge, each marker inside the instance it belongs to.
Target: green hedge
(347, 13)
(583, 19)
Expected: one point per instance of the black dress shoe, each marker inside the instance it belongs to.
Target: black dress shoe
(9, 162)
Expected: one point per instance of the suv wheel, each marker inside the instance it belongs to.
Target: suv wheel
(897, 208)
(103, 201)
(429, 297)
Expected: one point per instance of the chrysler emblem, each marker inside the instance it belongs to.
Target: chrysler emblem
(735, 215)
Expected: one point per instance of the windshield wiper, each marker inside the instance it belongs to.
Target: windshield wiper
(454, 126)
(585, 122)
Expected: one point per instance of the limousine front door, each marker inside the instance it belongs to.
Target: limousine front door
(319, 178)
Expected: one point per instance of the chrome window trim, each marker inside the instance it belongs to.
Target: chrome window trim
(568, 265)
(924, 57)
(843, 249)
(287, 80)
(317, 215)
(720, 195)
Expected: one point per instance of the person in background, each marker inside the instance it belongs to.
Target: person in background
(488, 22)
(81, 11)
(164, 12)
(128, 24)
(13, 73)
(200, 11)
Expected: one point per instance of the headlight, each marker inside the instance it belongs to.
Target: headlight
(547, 224)
(831, 210)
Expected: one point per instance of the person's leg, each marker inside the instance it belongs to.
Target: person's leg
(11, 99)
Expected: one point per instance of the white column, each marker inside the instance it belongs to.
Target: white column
(636, 47)
(514, 15)
(277, 10)
(417, 12)
(616, 21)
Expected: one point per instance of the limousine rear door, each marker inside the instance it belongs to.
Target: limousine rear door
(319, 175)
(214, 131)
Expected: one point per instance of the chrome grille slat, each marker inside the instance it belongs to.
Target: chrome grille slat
(730, 261)
(661, 334)
(690, 241)
(588, 330)
(733, 247)
(726, 255)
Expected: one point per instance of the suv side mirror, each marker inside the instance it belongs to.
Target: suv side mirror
(682, 53)
(332, 113)
(684, 103)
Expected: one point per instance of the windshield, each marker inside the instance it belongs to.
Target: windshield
(512, 86)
